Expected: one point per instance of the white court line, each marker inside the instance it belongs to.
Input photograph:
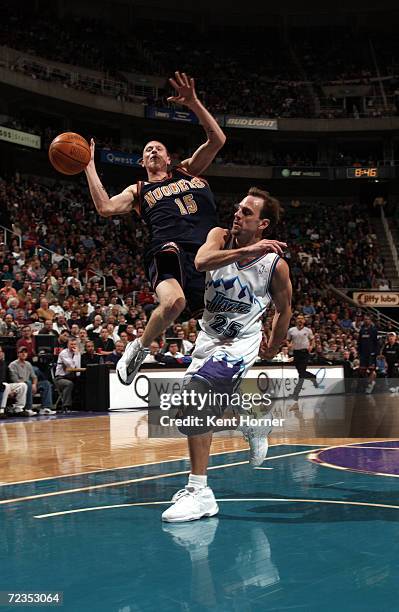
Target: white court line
(249, 499)
(127, 467)
(133, 480)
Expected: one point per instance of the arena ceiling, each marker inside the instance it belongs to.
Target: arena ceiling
(273, 13)
(288, 7)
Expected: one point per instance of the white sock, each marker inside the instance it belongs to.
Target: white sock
(197, 482)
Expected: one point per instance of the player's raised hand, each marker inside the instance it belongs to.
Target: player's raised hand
(185, 90)
(265, 246)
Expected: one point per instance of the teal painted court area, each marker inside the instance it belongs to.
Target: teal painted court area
(298, 536)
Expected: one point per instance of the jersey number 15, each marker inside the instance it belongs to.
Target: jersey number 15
(188, 206)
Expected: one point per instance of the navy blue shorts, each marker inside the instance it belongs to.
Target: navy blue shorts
(170, 260)
(367, 360)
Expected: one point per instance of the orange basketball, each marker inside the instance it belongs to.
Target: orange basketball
(69, 153)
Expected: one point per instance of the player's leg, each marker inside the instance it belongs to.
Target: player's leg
(196, 500)
(300, 365)
(372, 376)
(171, 304)
(166, 276)
(308, 375)
(199, 448)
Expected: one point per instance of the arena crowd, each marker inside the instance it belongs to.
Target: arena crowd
(287, 80)
(73, 275)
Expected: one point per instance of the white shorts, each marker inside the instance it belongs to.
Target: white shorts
(242, 351)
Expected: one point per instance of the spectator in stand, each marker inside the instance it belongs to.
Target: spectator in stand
(48, 328)
(82, 339)
(8, 290)
(61, 342)
(146, 299)
(187, 346)
(20, 318)
(283, 355)
(16, 390)
(56, 307)
(74, 331)
(66, 380)
(22, 371)
(103, 343)
(8, 327)
(173, 351)
(124, 337)
(116, 354)
(44, 311)
(60, 323)
(90, 357)
(94, 329)
(308, 308)
(22, 293)
(154, 350)
(192, 337)
(28, 341)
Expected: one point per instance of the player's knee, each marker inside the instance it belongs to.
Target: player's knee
(173, 306)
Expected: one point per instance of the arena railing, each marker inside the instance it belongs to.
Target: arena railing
(390, 240)
(374, 312)
(40, 247)
(95, 274)
(7, 231)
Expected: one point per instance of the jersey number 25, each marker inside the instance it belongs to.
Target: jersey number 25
(222, 327)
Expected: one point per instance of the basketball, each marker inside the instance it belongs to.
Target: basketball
(69, 153)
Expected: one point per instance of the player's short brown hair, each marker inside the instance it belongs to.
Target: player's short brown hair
(270, 210)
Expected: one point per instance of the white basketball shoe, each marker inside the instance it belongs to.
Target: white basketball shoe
(191, 504)
(257, 438)
(130, 362)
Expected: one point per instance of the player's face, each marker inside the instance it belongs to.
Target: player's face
(247, 223)
(155, 157)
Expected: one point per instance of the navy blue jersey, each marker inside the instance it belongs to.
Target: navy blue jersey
(181, 208)
(367, 341)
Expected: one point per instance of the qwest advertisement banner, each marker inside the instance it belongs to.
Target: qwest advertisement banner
(119, 158)
(252, 123)
(377, 299)
(19, 137)
(170, 114)
(279, 382)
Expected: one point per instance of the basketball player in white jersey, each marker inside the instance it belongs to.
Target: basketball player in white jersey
(245, 273)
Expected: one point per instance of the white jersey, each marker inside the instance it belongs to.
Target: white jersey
(236, 297)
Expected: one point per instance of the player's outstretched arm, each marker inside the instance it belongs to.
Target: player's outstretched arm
(120, 204)
(213, 255)
(205, 154)
(281, 291)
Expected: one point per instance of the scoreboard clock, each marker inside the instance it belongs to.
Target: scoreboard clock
(362, 173)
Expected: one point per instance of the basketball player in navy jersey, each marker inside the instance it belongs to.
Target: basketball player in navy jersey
(179, 210)
(244, 274)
